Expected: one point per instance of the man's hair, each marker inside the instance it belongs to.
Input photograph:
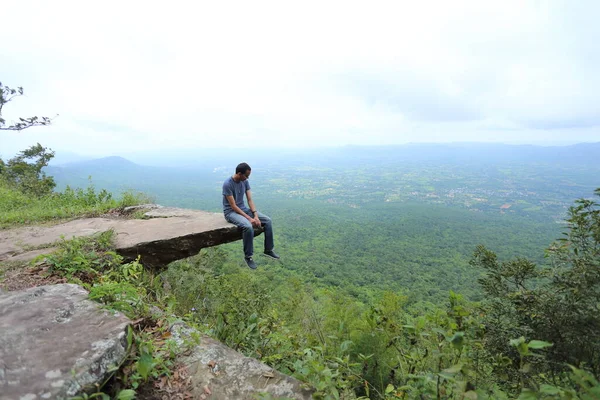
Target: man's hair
(243, 168)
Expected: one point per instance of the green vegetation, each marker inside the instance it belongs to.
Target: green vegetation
(28, 177)
(558, 303)
(407, 349)
(390, 347)
(26, 195)
(130, 289)
(377, 219)
(422, 250)
(385, 348)
(18, 208)
(533, 334)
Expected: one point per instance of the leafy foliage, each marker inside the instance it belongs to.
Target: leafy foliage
(391, 347)
(83, 258)
(28, 177)
(125, 287)
(558, 304)
(18, 208)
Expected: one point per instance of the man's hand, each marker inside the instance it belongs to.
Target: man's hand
(255, 222)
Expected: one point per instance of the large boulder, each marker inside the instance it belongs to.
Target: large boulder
(54, 343)
(219, 373)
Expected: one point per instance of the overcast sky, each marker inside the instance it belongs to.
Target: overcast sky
(127, 75)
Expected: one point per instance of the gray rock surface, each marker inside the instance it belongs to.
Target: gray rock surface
(220, 373)
(54, 342)
(169, 234)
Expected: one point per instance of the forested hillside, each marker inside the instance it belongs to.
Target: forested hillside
(401, 218)
(456, 289)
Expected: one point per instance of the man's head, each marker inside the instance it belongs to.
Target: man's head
(242, 171)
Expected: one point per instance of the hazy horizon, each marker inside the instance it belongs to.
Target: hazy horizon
(228, 156)
(175, 151)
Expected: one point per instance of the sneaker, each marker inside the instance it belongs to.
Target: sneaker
(272, 255)
(250, 262)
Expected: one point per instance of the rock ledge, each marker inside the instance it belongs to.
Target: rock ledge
(168, 234)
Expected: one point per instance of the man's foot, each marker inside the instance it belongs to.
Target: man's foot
(272, 255)
(250, 262)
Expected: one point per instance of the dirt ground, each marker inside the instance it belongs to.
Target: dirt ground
(19, 276)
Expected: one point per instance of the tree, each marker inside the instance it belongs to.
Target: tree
(558, 304)
(6, 95)
(27, 176)
(24, 172)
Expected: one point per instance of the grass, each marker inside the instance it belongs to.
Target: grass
(18, 209)
(92, 263)
(133, 290)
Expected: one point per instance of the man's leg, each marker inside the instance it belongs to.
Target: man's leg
(267, 224)
(247, 232)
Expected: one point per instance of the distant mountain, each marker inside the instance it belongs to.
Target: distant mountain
(104, 172)
(118, 174)
(104, 163)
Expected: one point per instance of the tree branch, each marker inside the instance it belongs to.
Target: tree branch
(28, 123)
(6, 95)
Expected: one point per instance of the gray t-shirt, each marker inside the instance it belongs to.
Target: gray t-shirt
(235, 189)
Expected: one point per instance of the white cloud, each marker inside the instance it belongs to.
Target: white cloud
(155, 75)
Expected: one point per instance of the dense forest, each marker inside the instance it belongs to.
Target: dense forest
(405, 218)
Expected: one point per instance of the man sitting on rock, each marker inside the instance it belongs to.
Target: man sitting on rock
(246, 218)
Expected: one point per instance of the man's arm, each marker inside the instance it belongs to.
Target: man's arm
(255, 221)
(238, 210)
(251, 204)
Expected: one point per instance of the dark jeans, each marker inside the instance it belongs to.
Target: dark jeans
(248, 230)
